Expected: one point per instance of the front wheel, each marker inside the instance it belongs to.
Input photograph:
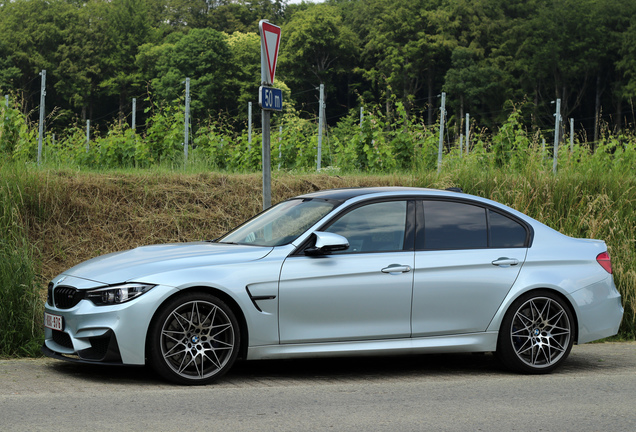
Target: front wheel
(194, 339)
(536, 334)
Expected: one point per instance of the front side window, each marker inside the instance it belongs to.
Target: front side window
(374, 227)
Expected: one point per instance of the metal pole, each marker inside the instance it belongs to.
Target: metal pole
(6, 100)
(320, 125)
(249, 125)
(467, 132)
(187, 120)
(441, 133)
(280, 139)
(267, 79)
(134, 114)
(571, 135)
(266, 154)
(557, 120)
(461, 145)
(361, 115)
(88, 135)
(41, 126)
(266, 149)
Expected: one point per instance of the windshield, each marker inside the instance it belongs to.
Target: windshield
(281, 224)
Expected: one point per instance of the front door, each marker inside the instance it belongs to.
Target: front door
(361, 293)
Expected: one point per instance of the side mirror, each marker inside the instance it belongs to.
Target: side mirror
(327, 243)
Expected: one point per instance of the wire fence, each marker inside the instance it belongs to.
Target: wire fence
(381, 139)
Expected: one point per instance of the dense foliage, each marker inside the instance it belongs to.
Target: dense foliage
(375, 143)
(100, 54)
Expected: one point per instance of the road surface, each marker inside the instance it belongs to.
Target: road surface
(595, 390)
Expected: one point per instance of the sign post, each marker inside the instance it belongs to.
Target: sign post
(41, 125)
(268, 98)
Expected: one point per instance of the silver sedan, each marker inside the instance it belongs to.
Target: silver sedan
(337, 273)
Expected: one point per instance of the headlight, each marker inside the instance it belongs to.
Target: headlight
(117, 294)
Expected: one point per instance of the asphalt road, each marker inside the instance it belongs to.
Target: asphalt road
(595, 390)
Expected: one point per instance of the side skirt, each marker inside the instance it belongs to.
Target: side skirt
(473, 342)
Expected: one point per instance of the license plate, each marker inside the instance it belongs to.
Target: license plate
(54, 322)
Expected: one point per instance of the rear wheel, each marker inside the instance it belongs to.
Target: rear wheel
(194, 339)
(536, 334)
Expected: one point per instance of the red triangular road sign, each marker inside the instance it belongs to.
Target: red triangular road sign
(270, 40)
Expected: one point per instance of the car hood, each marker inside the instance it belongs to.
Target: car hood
(136, 263)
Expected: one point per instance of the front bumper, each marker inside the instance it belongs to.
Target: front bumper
(104, 334)
(103, 350)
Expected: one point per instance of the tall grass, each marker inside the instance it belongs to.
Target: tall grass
(596, 203)
(20, 304)
(54, 217)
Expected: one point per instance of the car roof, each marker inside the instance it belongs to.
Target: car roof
(348, 193)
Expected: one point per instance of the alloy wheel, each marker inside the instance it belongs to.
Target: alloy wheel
(541, 332)
(198, 340)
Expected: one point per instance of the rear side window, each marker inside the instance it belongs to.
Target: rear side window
(505, 232)
(452, 225)
(456, 225)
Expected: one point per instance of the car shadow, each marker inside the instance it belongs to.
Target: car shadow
(366, 368)
(336, 369)
(298, 371)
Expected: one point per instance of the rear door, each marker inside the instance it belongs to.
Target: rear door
(467, 258)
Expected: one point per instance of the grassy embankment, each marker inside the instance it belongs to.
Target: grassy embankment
(53, 219)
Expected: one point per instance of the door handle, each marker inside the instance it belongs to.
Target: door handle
(396, 268)
(505, 262)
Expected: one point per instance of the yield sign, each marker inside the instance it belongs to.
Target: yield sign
(270, 40)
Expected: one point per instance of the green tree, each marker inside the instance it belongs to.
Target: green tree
(404, 49)
(556, 52)
(619, 19)
(123, 26)
(317, 47)
(9, 74)
(186, 13)
(29, 34)
(246, 73)
(203, 55)
(77, 62)
(232, 17)
(473, 84)
(243, 15)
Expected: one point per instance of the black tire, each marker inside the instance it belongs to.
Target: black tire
(536, 334)
(194, 339)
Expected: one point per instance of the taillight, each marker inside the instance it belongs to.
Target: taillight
(604, 260)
